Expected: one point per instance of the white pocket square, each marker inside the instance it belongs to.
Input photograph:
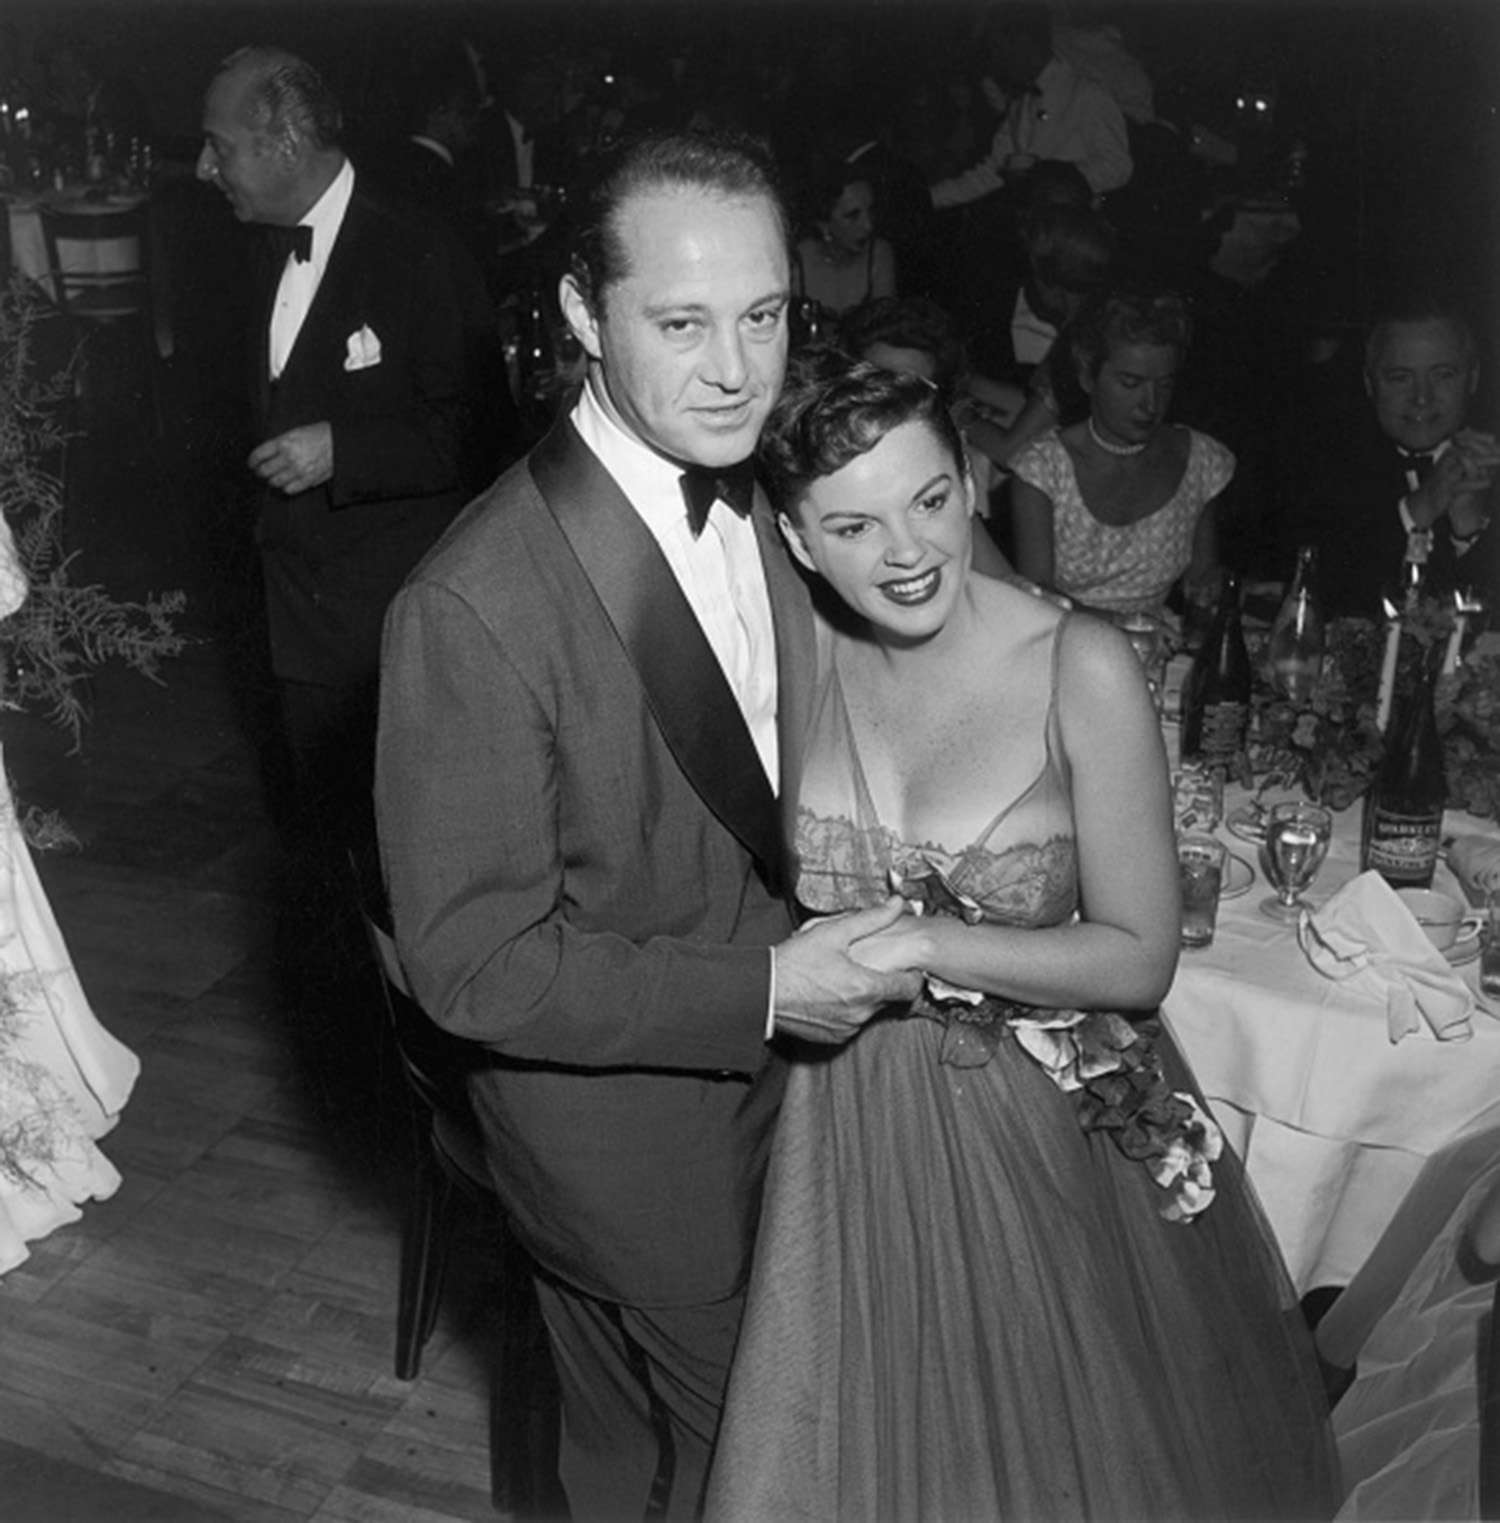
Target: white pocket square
(363, 350)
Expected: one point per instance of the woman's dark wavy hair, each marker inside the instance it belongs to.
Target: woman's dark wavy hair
(907, 322)
(728, 164)
(831, 411)
(1120, 316)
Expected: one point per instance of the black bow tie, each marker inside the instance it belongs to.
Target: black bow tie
(704, 485)
(1420, 462)
(282, 241)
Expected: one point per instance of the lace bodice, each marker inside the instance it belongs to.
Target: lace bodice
(1127, 568)
(1020, 867)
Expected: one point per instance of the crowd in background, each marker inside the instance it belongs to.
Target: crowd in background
(1264, 163)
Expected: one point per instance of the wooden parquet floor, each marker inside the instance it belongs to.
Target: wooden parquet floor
(221, 1332)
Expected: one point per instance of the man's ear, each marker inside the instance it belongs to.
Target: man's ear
(794, 542)
(1473, 378)
(1369, 384)
(579, 316)
(286, 144)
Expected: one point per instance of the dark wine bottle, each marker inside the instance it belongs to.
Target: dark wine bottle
(1216, 695)
(1403, 817)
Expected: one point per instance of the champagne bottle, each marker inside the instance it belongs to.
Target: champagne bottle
(1216, 695)
(1294, 651)
(1403, 816)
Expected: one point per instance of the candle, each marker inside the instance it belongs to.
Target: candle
(1388, 663)
(1456, 636)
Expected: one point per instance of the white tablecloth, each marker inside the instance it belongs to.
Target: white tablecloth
(1332, 1120)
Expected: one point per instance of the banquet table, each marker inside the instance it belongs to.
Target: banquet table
(1333, 1120)
(28, 244)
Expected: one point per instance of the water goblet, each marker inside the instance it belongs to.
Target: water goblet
(1297, 836)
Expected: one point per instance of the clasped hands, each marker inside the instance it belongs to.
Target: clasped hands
(1458, 485)
(296, 461)
(838, 972)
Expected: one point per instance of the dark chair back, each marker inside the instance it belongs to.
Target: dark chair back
(100, 262)
(434, 1064)
(523, 1398)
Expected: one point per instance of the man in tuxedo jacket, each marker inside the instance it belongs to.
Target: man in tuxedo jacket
(372, 350)
(1415, 485)
(590, 699)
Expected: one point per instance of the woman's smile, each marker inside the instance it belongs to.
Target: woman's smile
(913, 591)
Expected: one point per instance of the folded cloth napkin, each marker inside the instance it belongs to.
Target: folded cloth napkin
(1366, 935)
(1475, 861)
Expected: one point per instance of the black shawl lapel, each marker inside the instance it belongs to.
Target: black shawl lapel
(266, 279)
(791, 611)
(685, 688)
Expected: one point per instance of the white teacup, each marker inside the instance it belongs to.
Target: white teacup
(1444, 918)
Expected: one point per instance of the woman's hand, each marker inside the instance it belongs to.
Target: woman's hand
(906, 944)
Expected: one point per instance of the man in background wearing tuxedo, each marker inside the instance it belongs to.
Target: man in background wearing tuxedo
(1415, 486)
(373, 364)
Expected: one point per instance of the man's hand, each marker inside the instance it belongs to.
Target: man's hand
(296, 461)
(1459, 482)
(823, 992)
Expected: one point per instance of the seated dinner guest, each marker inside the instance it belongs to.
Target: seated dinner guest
(843, 261)
(1115, 510)
(1417, 484)
(984, 1285)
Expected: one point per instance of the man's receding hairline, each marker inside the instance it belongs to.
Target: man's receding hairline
(1379, 340)
(675, 188)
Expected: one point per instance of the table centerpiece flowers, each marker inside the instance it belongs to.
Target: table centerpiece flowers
(1329, 745)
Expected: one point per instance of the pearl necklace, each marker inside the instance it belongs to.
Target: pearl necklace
(1122, 450)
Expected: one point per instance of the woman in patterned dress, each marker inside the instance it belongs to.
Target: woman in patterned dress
(1116, 510)
(1003, 1269)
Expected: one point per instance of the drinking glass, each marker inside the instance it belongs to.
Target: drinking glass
(1296, 843)
(1197, 797)
(1148, 640)
(1200, 874)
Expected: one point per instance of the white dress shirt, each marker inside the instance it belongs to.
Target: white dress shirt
(1066, 117)
(525, 150)
(301, 277)
(719, 572)
(1031, 337)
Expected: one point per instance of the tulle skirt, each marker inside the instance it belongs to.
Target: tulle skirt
(963, 1307)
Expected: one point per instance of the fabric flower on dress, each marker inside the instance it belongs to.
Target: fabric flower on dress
(1102, 1057)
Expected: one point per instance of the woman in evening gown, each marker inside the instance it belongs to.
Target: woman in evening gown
(63, 1078)
(1004, 1270)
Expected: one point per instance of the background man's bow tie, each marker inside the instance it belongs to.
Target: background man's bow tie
(704, 485)
(1420, 462)
(288, 240)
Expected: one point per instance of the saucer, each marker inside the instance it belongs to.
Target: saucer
(1248, 822)
(1238, 877)
(1464, 952)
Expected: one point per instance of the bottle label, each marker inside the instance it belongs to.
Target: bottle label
(1403, 848)
(1221, 736)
